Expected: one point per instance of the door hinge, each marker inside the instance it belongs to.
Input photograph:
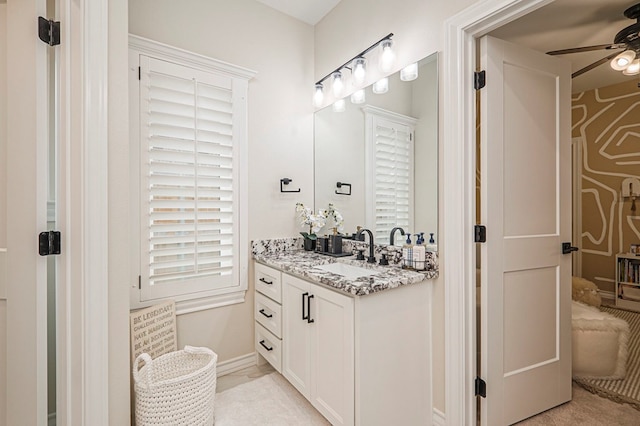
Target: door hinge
(481, 387)
(480, 234)
(49, 31)
(49, 243)
(479, 79)
(139, 282)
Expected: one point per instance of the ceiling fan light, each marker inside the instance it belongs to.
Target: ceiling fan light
(623, 60)
(633, 68)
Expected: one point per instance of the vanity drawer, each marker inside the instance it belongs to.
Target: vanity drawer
(269, 346)
(269, 314)
(268, 282)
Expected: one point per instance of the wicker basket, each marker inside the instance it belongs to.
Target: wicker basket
(177, 388)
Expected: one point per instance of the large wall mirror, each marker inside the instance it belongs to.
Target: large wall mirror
(384, 153)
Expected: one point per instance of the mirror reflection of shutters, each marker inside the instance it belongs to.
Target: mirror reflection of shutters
(189, 211)
(393, 177)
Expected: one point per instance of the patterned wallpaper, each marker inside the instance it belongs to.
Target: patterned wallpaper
(608, 121)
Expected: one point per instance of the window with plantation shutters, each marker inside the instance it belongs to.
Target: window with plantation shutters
(192, 180)
(389, 170)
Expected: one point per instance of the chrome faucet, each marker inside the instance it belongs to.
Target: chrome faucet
(393, 231)
(371, 258)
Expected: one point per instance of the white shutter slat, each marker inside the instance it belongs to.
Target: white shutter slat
(393, 164)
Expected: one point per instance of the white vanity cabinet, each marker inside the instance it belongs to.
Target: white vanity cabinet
(318, 349)
(360, 360)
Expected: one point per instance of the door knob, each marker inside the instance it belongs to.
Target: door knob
(568, 248)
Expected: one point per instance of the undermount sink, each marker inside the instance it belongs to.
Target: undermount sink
(350, 272)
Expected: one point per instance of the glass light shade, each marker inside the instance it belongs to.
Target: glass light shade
(410, 72)
(387, 56)
(318, 96)
(358, 97)
(359, 70)
(381, 86)
(623, 60)
(338, 84)
(339, 105)
(633, 68)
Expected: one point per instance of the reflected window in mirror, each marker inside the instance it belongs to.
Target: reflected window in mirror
(349, 147)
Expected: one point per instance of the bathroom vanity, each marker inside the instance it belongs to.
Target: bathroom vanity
(353, 338)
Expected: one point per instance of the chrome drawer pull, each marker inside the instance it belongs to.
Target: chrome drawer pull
(265, 346)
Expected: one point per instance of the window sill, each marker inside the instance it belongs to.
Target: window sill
(199, 304)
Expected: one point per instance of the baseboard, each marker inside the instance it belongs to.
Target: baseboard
(438, 418)
(235, 364)
(51, 420)
(609, 295)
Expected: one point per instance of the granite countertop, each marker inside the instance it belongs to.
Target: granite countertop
(301, 263)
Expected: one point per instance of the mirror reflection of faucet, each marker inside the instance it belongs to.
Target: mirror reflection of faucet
(393, 231)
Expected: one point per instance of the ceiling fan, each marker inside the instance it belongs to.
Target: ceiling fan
(627, 61)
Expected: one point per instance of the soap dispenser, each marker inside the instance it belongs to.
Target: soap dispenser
(419, 252)
(432, 246)
(407, 252)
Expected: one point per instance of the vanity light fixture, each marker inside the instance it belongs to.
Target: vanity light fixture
(318, 95)
(410, 72)
(359, 70)
(381, 86)
(339, 105)
(358, 67)
(338, 85)
(623, 60)
(387, 55)
(358, 97)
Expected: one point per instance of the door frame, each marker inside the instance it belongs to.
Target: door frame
(576, 198)
(459, 186)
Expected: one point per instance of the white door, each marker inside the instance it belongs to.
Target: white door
(526, 207)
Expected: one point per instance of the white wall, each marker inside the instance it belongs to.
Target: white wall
(419, 31)
(280, 49)
(3, 212)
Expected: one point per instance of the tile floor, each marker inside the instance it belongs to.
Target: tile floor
(242, 376)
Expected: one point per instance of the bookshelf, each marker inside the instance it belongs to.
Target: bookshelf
(628, 281)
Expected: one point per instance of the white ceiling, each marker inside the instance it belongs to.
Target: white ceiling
(309, 11)
(574, 23)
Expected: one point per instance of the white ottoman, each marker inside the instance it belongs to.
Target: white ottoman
(600, 343)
